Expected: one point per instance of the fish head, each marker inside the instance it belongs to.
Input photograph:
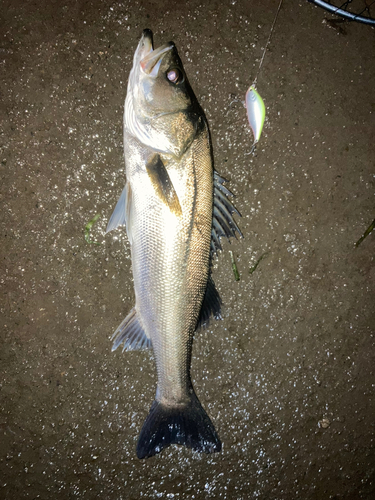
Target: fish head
(161, 110)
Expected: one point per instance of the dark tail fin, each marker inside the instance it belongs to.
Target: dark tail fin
(188, 425)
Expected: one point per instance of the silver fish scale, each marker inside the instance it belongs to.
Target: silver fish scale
(170, 257)
(170, 213)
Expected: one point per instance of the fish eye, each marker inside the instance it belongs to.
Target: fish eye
(175, 75)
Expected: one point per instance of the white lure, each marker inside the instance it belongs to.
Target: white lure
(256, 113)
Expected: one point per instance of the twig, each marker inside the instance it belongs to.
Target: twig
(234, 267)
(366, 233)
(252, 269)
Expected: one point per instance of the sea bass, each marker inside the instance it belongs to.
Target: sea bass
(175, 209)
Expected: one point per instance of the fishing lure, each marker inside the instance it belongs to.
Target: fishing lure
(256, 113)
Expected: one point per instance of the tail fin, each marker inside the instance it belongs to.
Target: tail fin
(187, 425)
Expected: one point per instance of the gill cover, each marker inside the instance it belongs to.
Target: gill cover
(161, 110)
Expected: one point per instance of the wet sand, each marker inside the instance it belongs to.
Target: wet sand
(288, 376)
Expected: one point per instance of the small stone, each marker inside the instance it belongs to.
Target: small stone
(324, 423)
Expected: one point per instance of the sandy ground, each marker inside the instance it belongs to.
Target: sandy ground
(288, 376)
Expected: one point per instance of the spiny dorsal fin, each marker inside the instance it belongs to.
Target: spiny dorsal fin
(223, 223)
(131, 334)
(162, 183)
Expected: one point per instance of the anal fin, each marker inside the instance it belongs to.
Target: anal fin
(130, 332)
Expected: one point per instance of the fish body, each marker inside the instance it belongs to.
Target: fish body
(168, 206)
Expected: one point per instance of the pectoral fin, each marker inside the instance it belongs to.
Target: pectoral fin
(162, 184)
(118, 218)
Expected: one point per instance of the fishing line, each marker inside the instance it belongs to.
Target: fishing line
(268, 42)
(255, 108)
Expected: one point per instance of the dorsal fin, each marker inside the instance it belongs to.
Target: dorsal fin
(211, 305)
(162, 183)
(223, 223)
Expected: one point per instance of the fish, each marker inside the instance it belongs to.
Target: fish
(175, 209)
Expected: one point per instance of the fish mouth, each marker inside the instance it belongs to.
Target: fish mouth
(149, 58)
(145, 45)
